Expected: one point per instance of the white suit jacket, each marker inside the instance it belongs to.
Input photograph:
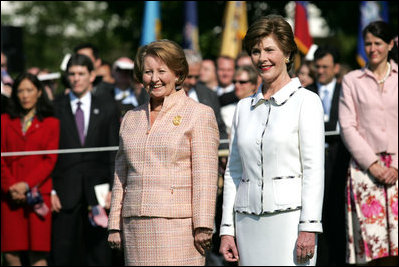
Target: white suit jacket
(276, 160)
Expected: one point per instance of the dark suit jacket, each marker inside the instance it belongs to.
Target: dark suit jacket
(208, 97)
(76, 174)
(100, 87)
(332, 242)
(4, 103)
(330, 125)
(228, 98)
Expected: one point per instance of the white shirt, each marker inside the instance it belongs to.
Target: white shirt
(85, 106)
(192, 94)
(323, 88)
(224, 90)
(276, 160)
(227, 113)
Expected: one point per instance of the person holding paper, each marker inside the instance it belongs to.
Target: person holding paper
(30, 125)
(79, 222)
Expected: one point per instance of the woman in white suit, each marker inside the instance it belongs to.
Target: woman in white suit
(274, 180)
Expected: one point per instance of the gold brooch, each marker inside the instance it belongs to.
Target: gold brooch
(177, 120)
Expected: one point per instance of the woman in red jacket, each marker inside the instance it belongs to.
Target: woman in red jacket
(28, 126)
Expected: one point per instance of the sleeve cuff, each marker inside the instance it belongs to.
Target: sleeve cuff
(227, 230)
(311, 226)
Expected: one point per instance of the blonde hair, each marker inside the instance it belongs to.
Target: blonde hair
(169, 52)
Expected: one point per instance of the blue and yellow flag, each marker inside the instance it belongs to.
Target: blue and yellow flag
(190, 31)
(151, 29)
(235, 28)
(369, 11)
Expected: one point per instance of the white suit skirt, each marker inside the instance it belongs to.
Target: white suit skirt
(269, 240)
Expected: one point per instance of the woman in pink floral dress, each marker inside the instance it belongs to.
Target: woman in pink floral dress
(368, 116)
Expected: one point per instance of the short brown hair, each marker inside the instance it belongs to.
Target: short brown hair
(169, 52)
(274, 25)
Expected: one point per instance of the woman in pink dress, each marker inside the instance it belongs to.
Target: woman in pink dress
(368, 116)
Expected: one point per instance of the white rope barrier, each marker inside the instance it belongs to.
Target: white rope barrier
(223, 152)
(60, 151)
(331, 133)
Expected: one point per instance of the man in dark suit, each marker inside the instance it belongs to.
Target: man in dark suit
(332, 243)
(85, 121)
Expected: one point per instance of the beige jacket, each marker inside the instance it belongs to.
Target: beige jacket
(170, 169)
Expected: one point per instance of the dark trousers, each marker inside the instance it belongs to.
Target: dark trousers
(75, 242)
(331, 249)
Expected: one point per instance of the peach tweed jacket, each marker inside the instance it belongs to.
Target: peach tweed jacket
(169, 169)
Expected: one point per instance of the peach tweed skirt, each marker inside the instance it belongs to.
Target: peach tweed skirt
(154, 241)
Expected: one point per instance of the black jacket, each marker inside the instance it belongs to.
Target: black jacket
(76, 174)
(208, 97)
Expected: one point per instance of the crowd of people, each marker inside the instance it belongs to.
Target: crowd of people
(311, 175)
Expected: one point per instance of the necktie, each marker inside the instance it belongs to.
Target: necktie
(326, 101)
(80, 123)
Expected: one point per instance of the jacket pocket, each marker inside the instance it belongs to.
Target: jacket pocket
(242, 196)
(287, 190)
(180, 188)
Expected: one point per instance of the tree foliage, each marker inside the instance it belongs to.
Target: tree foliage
(52, 29)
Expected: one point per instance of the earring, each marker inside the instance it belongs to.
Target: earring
(287, 60)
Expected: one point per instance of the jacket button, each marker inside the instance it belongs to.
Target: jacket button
(259, 163)
(260, 183)
(258, 141)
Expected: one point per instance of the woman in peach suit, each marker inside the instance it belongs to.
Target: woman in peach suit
(164, 192)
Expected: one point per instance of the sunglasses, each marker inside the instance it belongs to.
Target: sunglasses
(241, 82)
(193, 76)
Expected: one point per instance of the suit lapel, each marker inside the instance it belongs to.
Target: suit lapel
(332, 123)
(199, 95)
(202, 97)
(93, 119)
(33, 127)
(69, 119)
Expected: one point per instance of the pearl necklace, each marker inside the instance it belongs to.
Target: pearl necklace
(386, 75)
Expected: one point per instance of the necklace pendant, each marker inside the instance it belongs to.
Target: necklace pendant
(386, 74)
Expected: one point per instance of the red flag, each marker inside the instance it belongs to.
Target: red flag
(302, 36)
